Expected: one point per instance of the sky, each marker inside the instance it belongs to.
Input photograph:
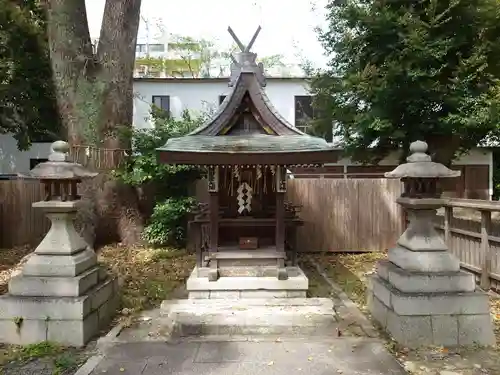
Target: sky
(287, 26)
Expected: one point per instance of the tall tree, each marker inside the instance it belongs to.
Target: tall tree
(27, 99)
(95, 96)
(404, 70)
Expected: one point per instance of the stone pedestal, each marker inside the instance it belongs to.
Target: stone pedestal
(61, 294)
(247, 282)
(420, 296)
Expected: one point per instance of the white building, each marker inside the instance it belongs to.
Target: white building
(205, 94)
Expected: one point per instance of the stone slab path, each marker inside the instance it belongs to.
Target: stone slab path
(349, 356)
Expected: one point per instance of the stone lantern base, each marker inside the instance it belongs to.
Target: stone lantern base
(61, 294)
(421, 308)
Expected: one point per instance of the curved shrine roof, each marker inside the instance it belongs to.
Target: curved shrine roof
(247, 129)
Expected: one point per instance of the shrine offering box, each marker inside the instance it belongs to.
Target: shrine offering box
(249, 243)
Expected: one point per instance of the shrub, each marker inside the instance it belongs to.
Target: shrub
(171, 184)
(169, 222)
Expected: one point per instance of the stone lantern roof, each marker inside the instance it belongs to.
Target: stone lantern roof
(59, 166)
(420, 165)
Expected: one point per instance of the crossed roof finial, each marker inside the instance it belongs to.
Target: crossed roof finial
(245, 61)
(238, 41)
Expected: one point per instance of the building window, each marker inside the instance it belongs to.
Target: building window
(304, 112)
(221, 98)
(156, 48)
(35, 162)
(162, 102)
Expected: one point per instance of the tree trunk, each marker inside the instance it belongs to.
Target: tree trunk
(71, 59)
(95, 99)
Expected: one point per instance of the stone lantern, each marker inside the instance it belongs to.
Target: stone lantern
(61, 294)
(419, 294)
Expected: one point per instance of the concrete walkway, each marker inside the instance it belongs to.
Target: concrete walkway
(290, 356)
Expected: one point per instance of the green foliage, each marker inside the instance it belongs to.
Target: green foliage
(169, 222)
(27, 98)
(405, 70)
(39, 350)
(142, 167)
(171, 67)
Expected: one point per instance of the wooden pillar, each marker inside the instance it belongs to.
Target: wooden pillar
(213, 205)
(293, 244)
(280, 220)
(448, 216)
(214, 221)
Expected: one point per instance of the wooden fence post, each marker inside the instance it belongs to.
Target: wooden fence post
(485, 282)
(448, 215)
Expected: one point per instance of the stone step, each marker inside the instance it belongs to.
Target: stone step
(248, 271)
(245, 254)
(276, 316)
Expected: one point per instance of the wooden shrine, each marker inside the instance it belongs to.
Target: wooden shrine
(246, 148)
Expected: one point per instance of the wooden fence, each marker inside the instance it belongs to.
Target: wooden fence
(474, 237)
(347, 214)
(19, 222)
(339, 215)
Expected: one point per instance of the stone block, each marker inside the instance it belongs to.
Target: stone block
(60, 266)
(66, 320)
(102, 293)
(107, 310)
(43, 308)
(381, 290)
(296, 294)
(199, 284)
(429, 303)
(410, 331)
(382, 270)
(199, 295)
(378, 311)
(274, 316)
(425, 238)
(224, 294)
(37, 286)
(264, 294)
(73, 332)
(440, 303)
(475, 330)
(62, 238)
(25, 333)
(445, 330)
(425, 282)
(103, 273)
(424, 261)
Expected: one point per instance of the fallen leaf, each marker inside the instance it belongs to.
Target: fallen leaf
(122, 369)
(309, 359)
